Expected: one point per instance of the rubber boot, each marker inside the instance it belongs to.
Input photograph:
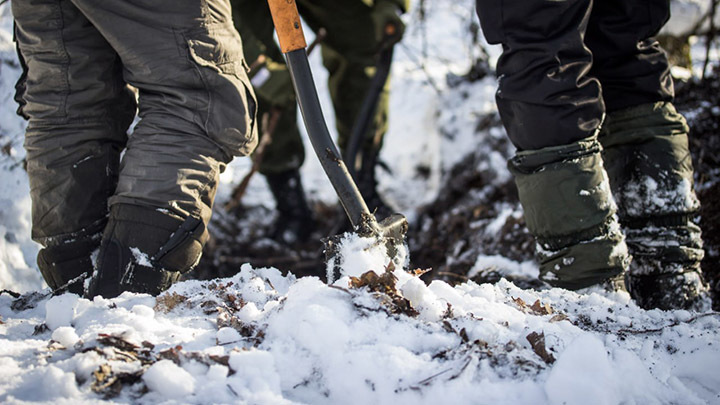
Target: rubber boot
(66, 262)
(569, 210)
(651, 175)
(294, 223)
(145, 250)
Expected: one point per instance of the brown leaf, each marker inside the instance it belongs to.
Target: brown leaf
(167, 302)
(520, 303)
(559, 318)
(464, 335)
(172, 354)
(109, 383)
(537, 341)
(210, 307)
(117, 342)
(383, 284)
(224, 360)
(389, 297)
(541, 309)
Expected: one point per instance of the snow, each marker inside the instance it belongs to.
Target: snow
(169, 380)
(260, 337)
(317, 344)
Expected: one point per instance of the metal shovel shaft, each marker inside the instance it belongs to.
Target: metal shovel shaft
(322, 142)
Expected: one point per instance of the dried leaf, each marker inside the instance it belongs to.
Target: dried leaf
(172, 354)
(520, 303)
(464, 335)
(167, 302)
(109, 383)
(537, 341)
(419, 272)
(210, 307)
(370, 279)
(384, 285)
(224, 360)
(559, 318)
(117, 342)
(541, 309)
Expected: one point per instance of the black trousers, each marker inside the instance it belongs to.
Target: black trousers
(566, 62)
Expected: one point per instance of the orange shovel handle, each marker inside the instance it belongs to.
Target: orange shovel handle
(287, 24)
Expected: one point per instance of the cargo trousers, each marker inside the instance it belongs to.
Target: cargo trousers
(349, 54)
(196, 111)
(565, 63)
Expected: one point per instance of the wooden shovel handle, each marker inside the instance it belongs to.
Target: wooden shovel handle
(287, 24)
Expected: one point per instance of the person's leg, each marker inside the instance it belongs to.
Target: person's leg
(552, 111)
(646, 154)
(78, 109)
(197, 111)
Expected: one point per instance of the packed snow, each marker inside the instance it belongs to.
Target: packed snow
(261, 337)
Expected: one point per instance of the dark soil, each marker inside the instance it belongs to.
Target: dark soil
(242, 236)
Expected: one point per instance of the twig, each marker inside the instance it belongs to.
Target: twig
(429, 379)
(345, 290)
(421, 65)
(11, 293)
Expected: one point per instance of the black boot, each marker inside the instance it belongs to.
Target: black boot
(145, 251)
(295, 222)
(66, 264)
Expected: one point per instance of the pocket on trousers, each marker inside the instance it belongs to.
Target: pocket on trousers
(230, 113)
(490, 13)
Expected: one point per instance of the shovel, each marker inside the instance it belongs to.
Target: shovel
(392, 230)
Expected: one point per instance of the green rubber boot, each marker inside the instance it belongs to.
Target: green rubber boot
(568, 206)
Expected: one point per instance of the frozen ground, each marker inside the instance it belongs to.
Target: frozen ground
(263, 338)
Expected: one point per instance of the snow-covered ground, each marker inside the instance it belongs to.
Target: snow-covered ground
(263, 338)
